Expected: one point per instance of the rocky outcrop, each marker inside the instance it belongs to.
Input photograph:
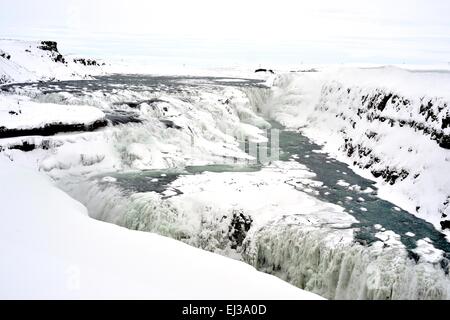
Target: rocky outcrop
(367, 118)
(51, 129)
(34, 61)
(52, 47)
(27, 146)
(390, 175)
(429, 115)
(264, 70)
(5, 55)
(49, 46)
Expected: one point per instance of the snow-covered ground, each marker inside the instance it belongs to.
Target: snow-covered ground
(50, 248)
(22, 61)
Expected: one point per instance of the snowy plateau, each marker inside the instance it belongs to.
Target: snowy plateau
(119, 184)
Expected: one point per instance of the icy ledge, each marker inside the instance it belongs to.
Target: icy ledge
(22, 117)
(50, 248)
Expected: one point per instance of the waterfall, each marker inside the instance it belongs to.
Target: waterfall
(311, 259)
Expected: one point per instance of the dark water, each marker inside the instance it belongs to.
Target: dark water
(330, 171)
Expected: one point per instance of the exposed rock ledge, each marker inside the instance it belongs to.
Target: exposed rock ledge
(51, 129)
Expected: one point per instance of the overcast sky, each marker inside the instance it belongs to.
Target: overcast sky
(321, 31)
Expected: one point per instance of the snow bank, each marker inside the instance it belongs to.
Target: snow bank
(391, 123)
(22, 114)
(23, 61)
(50, 248)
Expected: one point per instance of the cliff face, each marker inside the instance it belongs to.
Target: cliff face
(23, 61)
(382, 117)
(400, 137)
(427, 115)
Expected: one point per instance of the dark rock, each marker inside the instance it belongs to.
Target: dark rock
(445, 264)
(264, 70)
(445, 224)
(377, 173)
(384, 101)
(445, 123)
(413, 256)
(444, 142)
(239, 226)
(364, 99)
(25, 147)
(13, 113)
(59, 58)
(390, 176)
(445, 206)
(371, 134)
(87, 62)
(170, 124)
(52, 47)
(5, 55)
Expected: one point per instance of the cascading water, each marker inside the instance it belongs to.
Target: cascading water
(320, 260)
